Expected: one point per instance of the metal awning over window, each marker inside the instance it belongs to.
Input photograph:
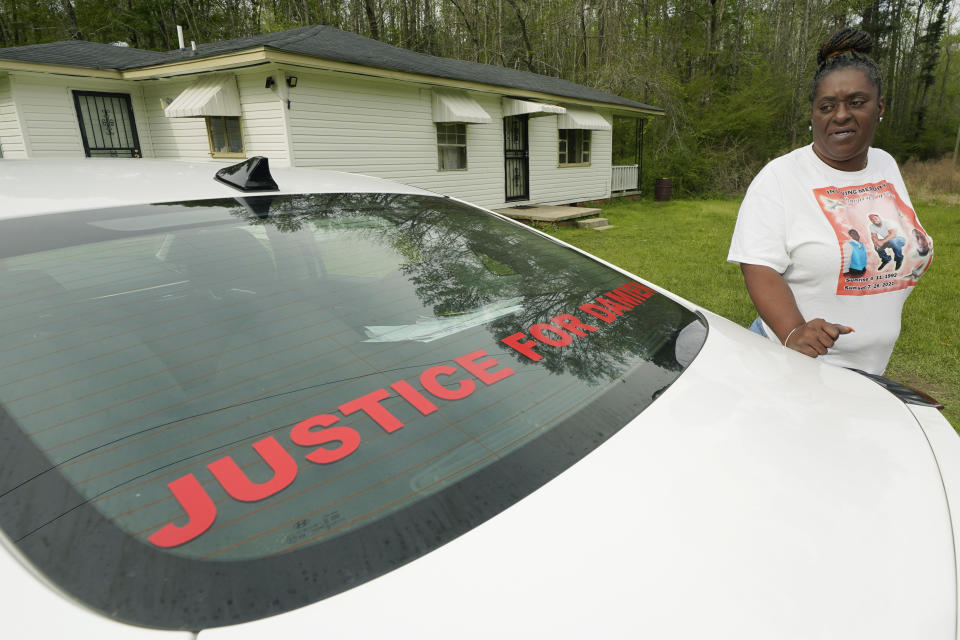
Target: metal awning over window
(580, 118)
(513, 107)
(208, 96)
(449, 106)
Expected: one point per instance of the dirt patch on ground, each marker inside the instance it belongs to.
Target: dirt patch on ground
(933, 180)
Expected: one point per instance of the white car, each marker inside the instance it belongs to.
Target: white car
(313, 404)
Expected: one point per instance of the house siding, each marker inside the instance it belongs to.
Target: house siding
(174, 138)
(262, 122)
(385, 129)
(552, 184)
(333, 120)
(49, 118)
(11, 141)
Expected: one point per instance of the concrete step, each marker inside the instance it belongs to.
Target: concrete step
(549, 213)
(593, 223)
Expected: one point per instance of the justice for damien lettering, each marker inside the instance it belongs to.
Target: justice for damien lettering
(329, 441)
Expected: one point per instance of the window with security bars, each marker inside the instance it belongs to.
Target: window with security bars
(452, 146)
(107, 126)
(574, 147)
(226, 139)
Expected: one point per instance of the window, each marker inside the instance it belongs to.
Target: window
(452, 146)
(225, 137)
(157, 353)
(107, 126)
(574, 146)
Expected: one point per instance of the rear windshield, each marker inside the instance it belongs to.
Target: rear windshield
(270, 400)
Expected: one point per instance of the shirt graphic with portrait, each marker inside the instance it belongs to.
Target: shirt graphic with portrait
(874, 212)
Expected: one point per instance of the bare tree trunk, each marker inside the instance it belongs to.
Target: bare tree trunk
(499, 35)
(735, 66)
(894, 109)
(371, 13)
(583, 33)
(8, 26)
(916, 37)
(430, 28)
(601, 31)
(943, 82)
(355, 16)
(71, 16)
(524, 35)
(713, 26)
(798, 74)
(471, 28)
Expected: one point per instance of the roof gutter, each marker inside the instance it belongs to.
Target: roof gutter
(262, 55)
(33, 67)
(251, 57)
(293, 59)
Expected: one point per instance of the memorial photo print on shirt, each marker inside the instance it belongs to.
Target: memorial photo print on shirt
(882, 244)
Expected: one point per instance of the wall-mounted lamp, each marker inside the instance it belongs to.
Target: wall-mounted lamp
(270, 82)
(291, 81)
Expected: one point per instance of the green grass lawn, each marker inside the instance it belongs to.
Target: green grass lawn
(682, 246)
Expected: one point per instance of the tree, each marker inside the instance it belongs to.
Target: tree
(733, 75)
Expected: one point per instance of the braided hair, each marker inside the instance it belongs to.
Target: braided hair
(845, 49)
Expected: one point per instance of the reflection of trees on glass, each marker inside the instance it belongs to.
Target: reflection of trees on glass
(460, 259)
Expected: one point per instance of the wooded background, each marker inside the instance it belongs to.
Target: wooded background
(732, 75)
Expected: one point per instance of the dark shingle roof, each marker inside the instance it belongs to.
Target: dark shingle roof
(83, 54)
(320, 42)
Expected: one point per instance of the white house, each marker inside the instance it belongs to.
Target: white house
(318, 96)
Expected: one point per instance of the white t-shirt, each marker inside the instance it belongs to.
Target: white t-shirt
(796, 219)
(880, 230)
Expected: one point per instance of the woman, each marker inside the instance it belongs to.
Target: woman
(798, 213)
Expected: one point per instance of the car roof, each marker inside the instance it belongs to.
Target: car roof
(31, 187)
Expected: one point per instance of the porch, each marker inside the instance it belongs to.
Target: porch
(627, 167)
(625, 180)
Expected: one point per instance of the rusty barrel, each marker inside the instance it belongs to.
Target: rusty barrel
(661, 189)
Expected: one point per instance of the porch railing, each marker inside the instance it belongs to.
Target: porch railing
(625, 178)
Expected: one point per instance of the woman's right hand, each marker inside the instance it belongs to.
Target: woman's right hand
(775, 304)
(813, 338)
